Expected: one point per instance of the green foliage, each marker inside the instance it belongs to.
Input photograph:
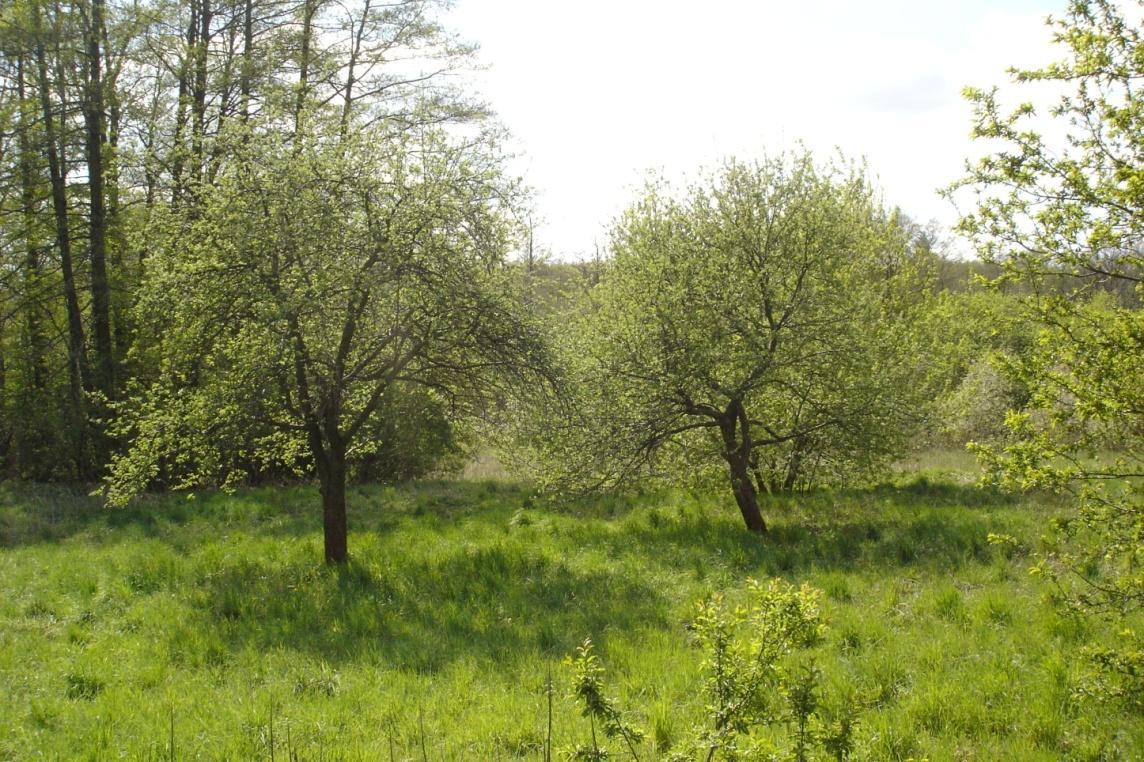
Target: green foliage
(265, 138)
(744, 651)
(326, 306)
(1121, 676)
(588, 688)
(968, 336)
(413, 436)
(758, 320)
(224, 82)
(1071, 209)
(745, 648)
(975, 410)
(268, 261)
(802, 697)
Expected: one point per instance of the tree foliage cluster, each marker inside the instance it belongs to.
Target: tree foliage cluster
(253, 237)
(1071, 208)
(760, 323)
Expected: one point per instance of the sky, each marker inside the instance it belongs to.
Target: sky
(597, 93)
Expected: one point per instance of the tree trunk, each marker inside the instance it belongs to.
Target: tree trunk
(309, 8)
(77, 360)
(199, 92)
(116, 243)
(794, 468)
(100, 285)
(332, 477)
(244, 79)
(327, 446)
(6, 434)
(746, 497)
(178, 182)
(735, 429)
(37, 344)
(351, 77)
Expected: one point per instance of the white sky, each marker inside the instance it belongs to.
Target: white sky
(597, 93)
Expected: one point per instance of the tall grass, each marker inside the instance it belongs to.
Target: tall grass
(208, 629)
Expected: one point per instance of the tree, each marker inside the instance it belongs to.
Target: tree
(114, 113)
(757, 320)
(1072, 209)
(40, 212)
(286, 178)
(314, 279)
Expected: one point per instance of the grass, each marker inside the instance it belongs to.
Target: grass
(208, 629)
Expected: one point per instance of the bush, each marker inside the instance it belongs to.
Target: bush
(750, 681)
(975, 410)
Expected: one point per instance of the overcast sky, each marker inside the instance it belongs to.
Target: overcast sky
(598, 92)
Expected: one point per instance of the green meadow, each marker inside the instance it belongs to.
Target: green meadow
(208, 628)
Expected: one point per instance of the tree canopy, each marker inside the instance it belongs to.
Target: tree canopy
(754, 319)
(312, 279)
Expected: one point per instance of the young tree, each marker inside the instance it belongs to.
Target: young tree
(315, 277)
(756, 320)
(1071, 208)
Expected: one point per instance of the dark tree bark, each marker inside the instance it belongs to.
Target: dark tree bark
(746, 497)
(112, 67)
(77, 363)
(151, 163)
(327, 446)
(6, 432)
(247, 72)
(37, 345)
(329, 453)
(332, 484)
(116, 244)
(351, 77)
(794, 467)
(178, 163)
(737, 446)
(199, 91)
(94, 138)
(309, 9)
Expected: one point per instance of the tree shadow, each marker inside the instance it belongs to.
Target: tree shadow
(490, 580)
(941, 492)
(33, 513)
(499, 603)
(917, 525)
(508, 596)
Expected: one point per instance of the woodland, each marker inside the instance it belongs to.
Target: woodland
(311, 450)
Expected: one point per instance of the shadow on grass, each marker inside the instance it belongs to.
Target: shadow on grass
(916, 523)
(450, 570)
(842, 544)
(33, 513)
(495, 588)
(498, 602)
(939, 492)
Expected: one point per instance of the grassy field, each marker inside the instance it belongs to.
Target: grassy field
(208, 629)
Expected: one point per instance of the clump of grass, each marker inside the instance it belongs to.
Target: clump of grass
(947, 602)
(81, 686)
